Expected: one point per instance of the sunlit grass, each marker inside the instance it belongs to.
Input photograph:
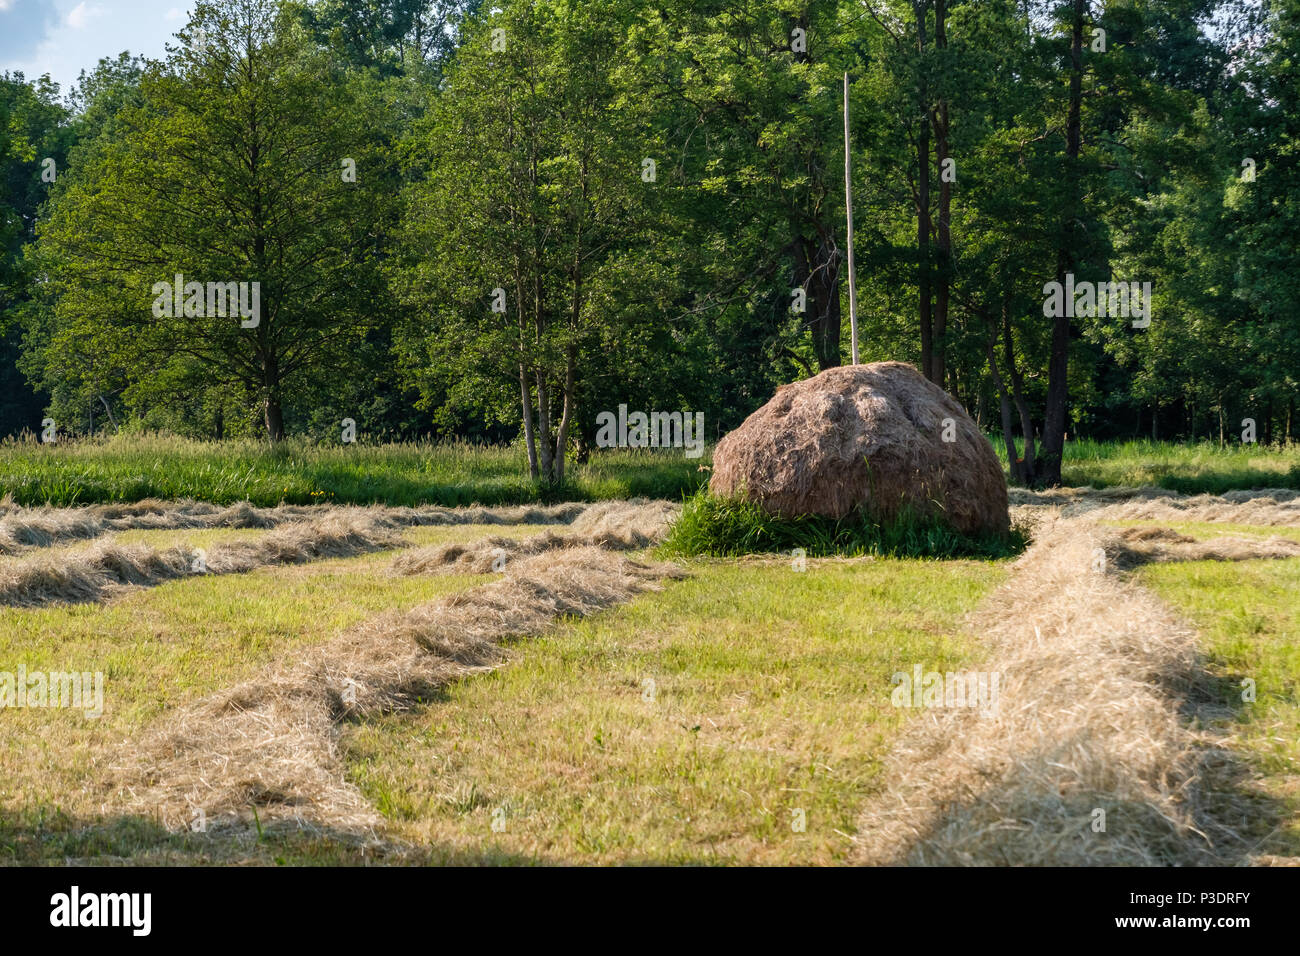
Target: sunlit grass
(1201, 467)
(133, 467)
(686, 727)
(1248, 616)
(162, 647)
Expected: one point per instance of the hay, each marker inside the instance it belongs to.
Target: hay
(106, 569)
(1154, 544)
(617, 526)
(868, 436)
(1275, 507)
(23, 528)
(272, 743)
(1094, 672)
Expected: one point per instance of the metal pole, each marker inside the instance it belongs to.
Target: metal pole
(848, 205)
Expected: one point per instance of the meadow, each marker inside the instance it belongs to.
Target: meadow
(133, 467)
(732, 708)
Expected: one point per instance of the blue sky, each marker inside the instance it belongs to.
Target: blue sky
(64, 37)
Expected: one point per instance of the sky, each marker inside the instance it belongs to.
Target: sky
(64, 37)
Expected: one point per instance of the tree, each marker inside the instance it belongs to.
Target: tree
(525, 239)
(236, 166)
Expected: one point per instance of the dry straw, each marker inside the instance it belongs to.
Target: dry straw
(22, 528)
(865, 435)
(1096, 679)
(1153, 544)
(272, 743)
(106, 568)
(618, 526)
(1275, 507)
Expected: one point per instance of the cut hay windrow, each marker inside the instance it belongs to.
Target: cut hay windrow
(1277, 507)
(272, 743)
(106, 568)
(615, 526)
(1145, 545)
(22, 528)
(1095, 675)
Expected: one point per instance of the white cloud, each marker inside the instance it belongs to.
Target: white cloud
(82, 14)
(174, 14)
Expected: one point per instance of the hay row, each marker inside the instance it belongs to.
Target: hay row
(22, 528)
(1150, 544)
(614, 526)
(1275, 507)
(105, 569)
(272, 742)
(1093, 674)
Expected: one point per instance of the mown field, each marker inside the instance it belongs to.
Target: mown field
(740, 712)
(686, 726)
(1248, 616)
(136, 467)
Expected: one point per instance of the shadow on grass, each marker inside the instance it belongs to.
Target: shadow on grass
(51, 838)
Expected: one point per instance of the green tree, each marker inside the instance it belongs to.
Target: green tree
(234, 166)
(525, 240)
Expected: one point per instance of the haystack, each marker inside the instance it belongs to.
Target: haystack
(876, 436)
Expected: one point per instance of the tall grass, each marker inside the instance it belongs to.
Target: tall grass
(727, 527)
(129, 468)
(1199, 468)
(132, 467)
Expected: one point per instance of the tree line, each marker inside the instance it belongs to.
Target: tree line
(497, 221)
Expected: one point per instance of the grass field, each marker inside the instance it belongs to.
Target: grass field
(742, 714)
(1198, 468)
(766, 698)
(135, 467)
(132, 468)
(1248, 615)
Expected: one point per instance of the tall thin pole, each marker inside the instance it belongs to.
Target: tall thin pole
(848, 205)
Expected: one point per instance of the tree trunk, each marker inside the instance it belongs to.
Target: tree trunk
(562, 436)
(1004, 407)
(544, 429)
(817, 271)
(273, 415)
(1058, 365)
(526, 404)
(1029, 467)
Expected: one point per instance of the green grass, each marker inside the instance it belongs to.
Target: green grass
(160, 648)
(1200, 468)
(1209, 530)
(772, 692)
(684, 727)
(729, 527)
(130, 468)
(1248, 616)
